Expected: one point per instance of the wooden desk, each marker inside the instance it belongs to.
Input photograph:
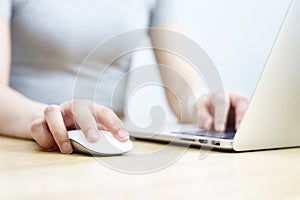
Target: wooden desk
(26, 172)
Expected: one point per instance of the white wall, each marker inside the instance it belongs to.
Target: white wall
(236, 34)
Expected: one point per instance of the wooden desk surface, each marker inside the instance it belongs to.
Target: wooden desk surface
(26, 172)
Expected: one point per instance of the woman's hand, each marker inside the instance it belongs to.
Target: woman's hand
(221, 110)
(50, 132)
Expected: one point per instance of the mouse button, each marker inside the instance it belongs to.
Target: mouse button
(123, 146)
(75, 135)
(107, 143)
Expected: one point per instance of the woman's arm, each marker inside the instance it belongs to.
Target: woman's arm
(211, 113)
(186, 84)
(48, 124)
(16, 111)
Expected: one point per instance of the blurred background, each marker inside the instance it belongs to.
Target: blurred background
(237, 35)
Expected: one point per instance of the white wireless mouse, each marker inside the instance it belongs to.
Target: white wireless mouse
(107, 145)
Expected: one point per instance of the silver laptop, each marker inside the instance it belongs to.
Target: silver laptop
(273, 117)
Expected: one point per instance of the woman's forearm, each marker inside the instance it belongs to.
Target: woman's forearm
(182, 83)
(17, 113)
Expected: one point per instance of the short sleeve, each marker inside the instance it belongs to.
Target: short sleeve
(163, 12)
(6, 8)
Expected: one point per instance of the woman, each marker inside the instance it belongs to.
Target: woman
(43, 44)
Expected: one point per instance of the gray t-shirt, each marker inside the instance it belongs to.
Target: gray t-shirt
(51, 38)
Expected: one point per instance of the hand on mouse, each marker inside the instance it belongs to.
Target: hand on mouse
(222, 109)
(50, 132)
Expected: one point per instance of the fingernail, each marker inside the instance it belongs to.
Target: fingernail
(92, 135)
(123, 135)
(67, 148)
(220, 127)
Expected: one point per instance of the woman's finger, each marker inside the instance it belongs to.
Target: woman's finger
(57, 128)
(66, 110)
(240, 104)
(221, 107)
(85, 119)
(111, 122)
(204, 113)
(40, 133)
(102, 127)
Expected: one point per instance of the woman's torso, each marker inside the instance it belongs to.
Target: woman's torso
(51, 39)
